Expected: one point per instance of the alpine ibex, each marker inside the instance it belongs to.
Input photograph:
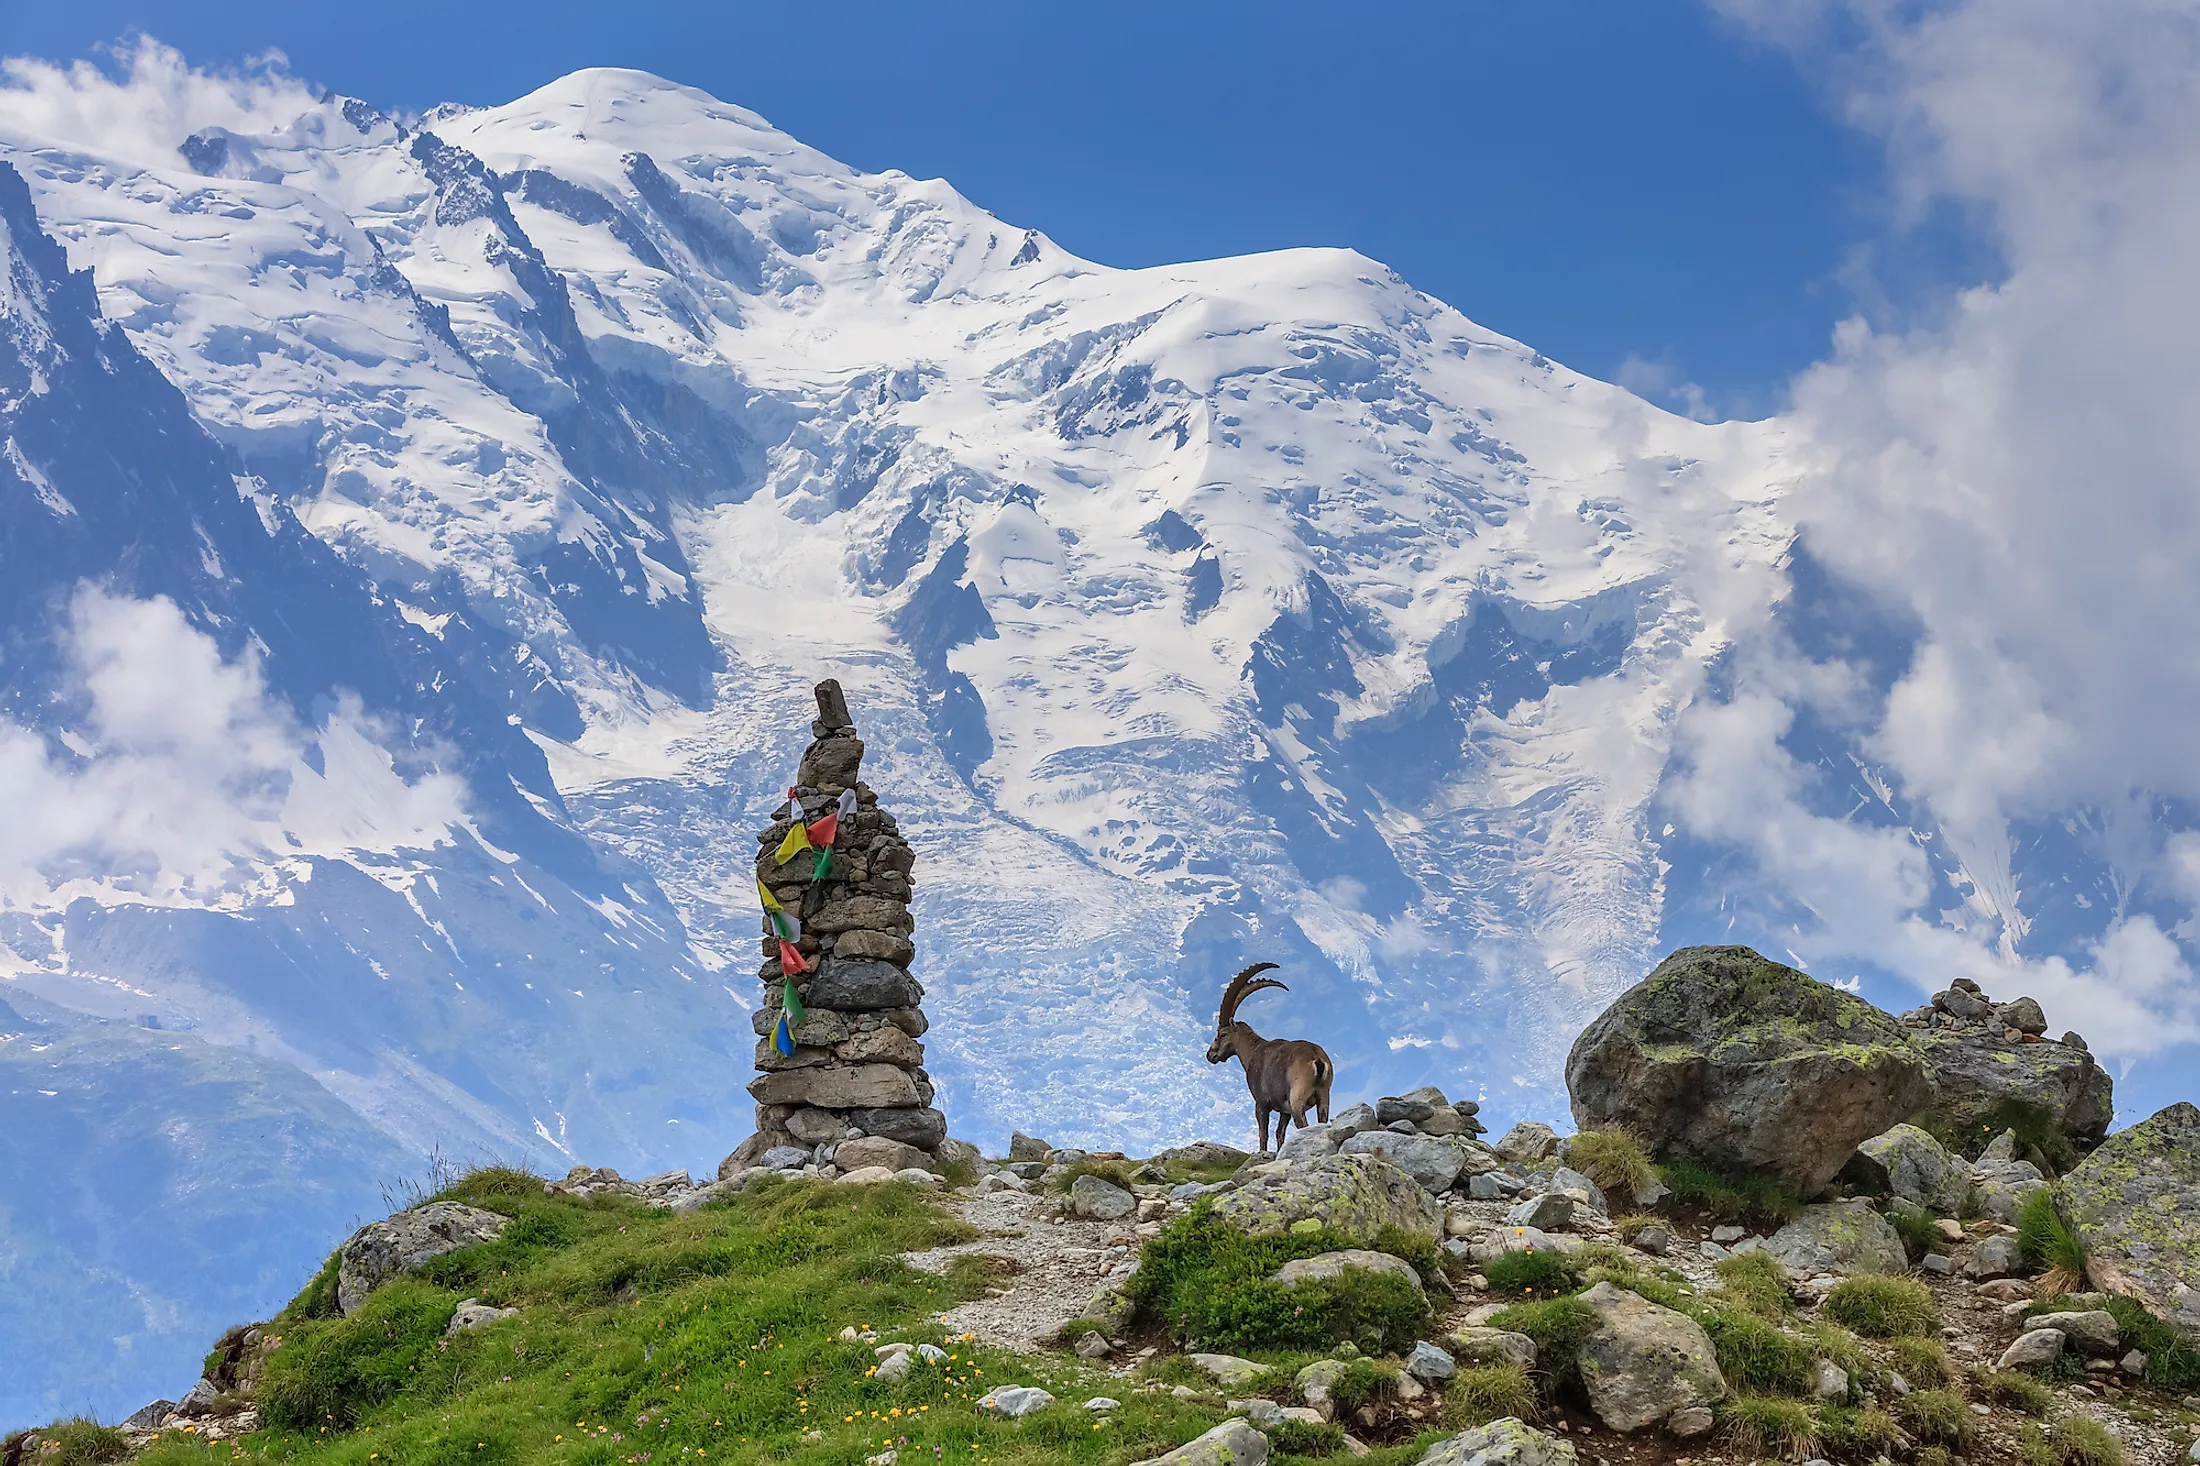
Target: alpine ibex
(1288, 1076)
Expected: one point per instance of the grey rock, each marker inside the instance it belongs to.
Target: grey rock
(917, 1176)
(1101, 1404)
(383, 1250)
(1507, 1442)
(1354, 1120)
(1711, 1251)
(2023, 1015)
(1446, 1121)
(1480, 1345)
(1000, 1181)
(1655, 1240)
(1428, 1094)
(1829, 1381)
(924, 1128)
(1312, 1142)
(1530, 1140)
(1317, 1380)
(1326, 1265)
(472, 1313)
(1025, 1170)
(2033, 1349)
(1429, 1364)
(1353, 1195)
(863, 985)
(1261, 1411)
(1564, 1179)
(1687, 1424)
(783, 1158)
(2001, 1186)
(1962, 1004)
(1978, 1075)
(2135, 1204)
(1092, 1345)
(1494, 1186)
(1550, 1211)
(1431, 1160)
(1192, 1191)
(1393, 1108)
(1102, 1201)
(1939, 1264)
(1727, 1234)
(2092, 1331)
(1912, 1166)
(1013, 1402)
(149, 1417)
(1645, 1362)
(1205, 1153)
(2134, 1364)
(1996, 1257)
(876, 1150)
(1229, 1370)
(1727, 1058)
(200, 1399)
(838, 1087)
(1842, 1237)
(816, 1127)
(1232, 1443)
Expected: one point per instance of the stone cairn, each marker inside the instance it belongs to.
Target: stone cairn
(853, 1095)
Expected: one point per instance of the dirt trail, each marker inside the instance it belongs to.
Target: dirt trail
(1054, 1267)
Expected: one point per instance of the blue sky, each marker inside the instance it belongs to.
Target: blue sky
(1605, 179)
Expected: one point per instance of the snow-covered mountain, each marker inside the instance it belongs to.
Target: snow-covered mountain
(418, 538)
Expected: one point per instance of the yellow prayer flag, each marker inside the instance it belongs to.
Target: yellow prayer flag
(797, 841)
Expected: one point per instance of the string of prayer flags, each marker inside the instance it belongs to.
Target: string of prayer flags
(817, 835)
(791, 1014)
(786, 926)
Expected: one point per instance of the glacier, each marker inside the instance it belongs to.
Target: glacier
(423, 534)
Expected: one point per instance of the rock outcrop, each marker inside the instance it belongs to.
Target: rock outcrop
(382, 1250)
(1353, 1195)
(1727, 1058)
(1841, 1237)
(1993, 1066)
(1645, 1363)
(1908, 1164)
(2135, 1204)
(839, 873)
(1507, 1442)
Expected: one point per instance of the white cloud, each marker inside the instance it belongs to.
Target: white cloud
(157, 101)
(2019, 473)
(187, 778)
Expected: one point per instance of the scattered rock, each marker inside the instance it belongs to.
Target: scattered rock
(1728, 1234)
(1727, 1058)
(382, 1250)
(1552, 1211)
(2134, 1364)
(1829, 1381)
(2135, 1204)
(1353, 1195)
(1479, 1345)
(1978, 1076)
(1691, 1422)
(1092, 1346)
(472, 1313)
(1507, 1442)
(1908, 1164)
(2033, 1349)
(1939, 1264)
(1530, 1140)
(2005, 1290)
(2092, 1331)
(1433, 1161)
(1400, 1107)
(1494, 1186)
(149, 1417)
(1101, 1404)
(1655, 1240)
(1333, 1264)
(1430, 1364)
(1104, 1201)
(877, 1150)
(1232, 1443)
(1022, 1147)
(895, 1367)
(1842, 1237)
(1996, 1257)
(1204, 1153)
(1013, 1402)
(1645, 1362)
(865, 1176)
(1315, 1382)
(1229, 1370)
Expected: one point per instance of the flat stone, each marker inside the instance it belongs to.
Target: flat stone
(884, 1044)
(874, 1150)
(862, 986)
(1493, 1186)
(1228, 1369)
(866, 1176)
(917, 1176)
(1691, 1422)
(865, 945)
(1476, 1344)
(1507, 1442)
(1101, 1404)
(1312, 1142)
(1353, 1195)
(1430, 1364)
(925, 1128)
(1354, 1120)
(2092, 1330)
(398, 1244)
(1551, 1211)
(1530, 1140)
(1655, 1240)
(853, 913)
(1100, 1200)
(1939, 1264)
(1996, 1257)
(1232, 1443)
(783, 1158)
(1091, 1345)
(1326, 1265)
(852, 1086)
(1841, 1237)
(2033, 1349)
(1433, 1161)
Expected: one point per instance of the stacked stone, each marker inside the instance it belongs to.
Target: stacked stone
(854, 1094)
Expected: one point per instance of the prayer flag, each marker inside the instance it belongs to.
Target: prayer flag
(797, 841)
(823, 829)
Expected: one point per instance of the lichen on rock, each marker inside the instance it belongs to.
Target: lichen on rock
(2135, 1204)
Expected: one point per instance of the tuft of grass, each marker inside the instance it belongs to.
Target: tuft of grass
(2172, 1364)
(1208, 1283)
(1614, 1160)
(1755, 1357)
(1853, 1434)
(501, 1189)
(1933, 1456)
(1939, 1418)
(2016, 1389)
(2072, 1440)
(1730, 1198)
(1530, 1274)
(1923, 1361)
(1631, 1225)
(317, 1299)
(78, 1442)
(1559, 1326)
(1299, 1438)
(2050, 1244)
(1363, 1382)
(1881, 1307)
(1758, 1283)
(1487, 1392)
(1918, 1228)
(1762, 1425)
(1115, 1173)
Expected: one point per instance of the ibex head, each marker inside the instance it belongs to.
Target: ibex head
(1226, 1025)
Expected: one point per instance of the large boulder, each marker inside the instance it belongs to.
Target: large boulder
(1355, 1195)
(1909, 1165)
(1729, 1059)
(1322, 1267)
(1984, 1082)
(1232, 1443)
(1839, 1237)
(854, 1086)
(1507, 1442)
(2135, 1204)
(1645, 1363)
(1432, 1160)
(382, 1250)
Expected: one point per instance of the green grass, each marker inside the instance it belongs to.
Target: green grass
(1758, 1283)
(1755, 1357)
(1363, 1382)
(1938, 1418)
(1730, 1198)
(2016, 1389)
(2050, 1244)
(1923, 1361)
(1882, 1308)
(1765, 1426)
(1209, 1284)
(2172, 1363)
(1115, 1173)
(1482, 1393)
(1918, 1228)
(641, 1331)
(1530, 1274)
(1859, 1434)
(1614, 1160)
(1559, 1326)
(79, 1443)
(1299, 1438)
(2071, 1441)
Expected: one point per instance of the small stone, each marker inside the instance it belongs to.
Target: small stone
(1101, 1404)
(1104, 1201)
(1228, 1369)
(472, 1313)
(1711, 1251)
(1530, 1140)
(1829, 1382)
(1092, 1345)
(1315, 1382)
(1430, 1364)
(1728, 1234)
(1327, 1265)
(2092, 1330)
(1938, 1264)
(1656, 1241)
(1259, 1410)
(1013, 1402)
(1689, 1423)
(1899, 1385)
(1552, 1211)
(894, 1368)
(2032, 1350)
(1477, 1344)
(1493, 1186)
(1950, 1229)
(1022, 1147)
(1996, 1257)
(866, 1176)
(2134, 1364)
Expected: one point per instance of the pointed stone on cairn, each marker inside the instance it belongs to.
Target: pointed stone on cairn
(854, 1092)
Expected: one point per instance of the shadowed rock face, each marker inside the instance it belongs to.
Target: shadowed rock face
(1984, 1080)
(1724, 1057)
(2135, 1203)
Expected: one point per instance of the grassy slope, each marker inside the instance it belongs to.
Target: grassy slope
(651, 1337)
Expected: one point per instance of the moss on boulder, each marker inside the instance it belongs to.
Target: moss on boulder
(1726, 1058)
(1355, 1196)
(2135, 1205)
